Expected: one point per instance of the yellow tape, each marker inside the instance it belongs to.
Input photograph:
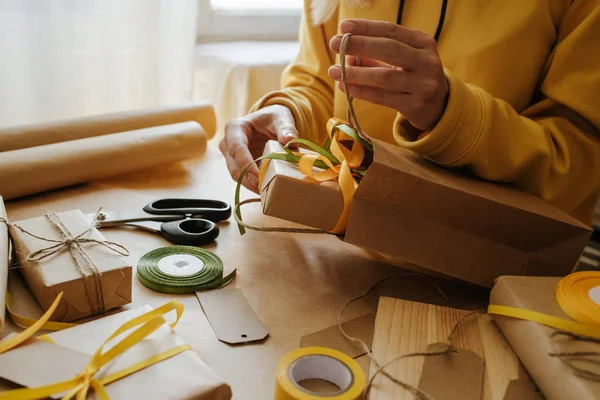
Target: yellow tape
(573, 295)
(318, 363)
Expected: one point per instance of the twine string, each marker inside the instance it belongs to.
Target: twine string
(418, 393)
(85, 264)
(568, 358)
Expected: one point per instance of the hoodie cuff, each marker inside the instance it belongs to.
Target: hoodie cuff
(457, 130)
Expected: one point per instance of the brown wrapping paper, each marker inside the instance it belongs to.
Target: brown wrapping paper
(318, 206)
(60, 273)
(184, 376)
(407, 208)
(37, 169)
(22, 137)
(4, 246)
(532, 342)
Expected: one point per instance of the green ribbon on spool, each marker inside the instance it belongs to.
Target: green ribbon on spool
(210, 276)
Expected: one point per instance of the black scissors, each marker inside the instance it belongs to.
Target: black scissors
(192, 221)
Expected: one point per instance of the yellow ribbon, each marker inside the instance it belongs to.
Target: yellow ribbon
(572, 296)
(79, 386)
(16, 340)
(25, 322)
(349, 158)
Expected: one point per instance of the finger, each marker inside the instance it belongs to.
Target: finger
(285, 130)
(364, 62)
(383, 49)
(391, 79)
(389, 30)
(237, 154)
(394, 100)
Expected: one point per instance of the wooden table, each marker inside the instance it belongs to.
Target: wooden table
(295, 283)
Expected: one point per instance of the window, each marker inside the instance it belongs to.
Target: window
(221, 20)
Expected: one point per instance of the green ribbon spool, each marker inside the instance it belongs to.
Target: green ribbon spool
(182, 270)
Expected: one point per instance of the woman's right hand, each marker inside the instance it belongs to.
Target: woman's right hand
(245, 140)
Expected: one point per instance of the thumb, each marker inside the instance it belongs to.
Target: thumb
(286, 132)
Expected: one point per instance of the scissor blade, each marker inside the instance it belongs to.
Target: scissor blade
(104, 219)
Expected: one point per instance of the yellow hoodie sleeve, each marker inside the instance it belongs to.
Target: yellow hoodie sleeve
(307, 90)
(552, 149)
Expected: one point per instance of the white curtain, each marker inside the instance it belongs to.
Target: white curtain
(67, 58)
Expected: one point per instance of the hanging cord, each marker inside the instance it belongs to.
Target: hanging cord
(440, 25)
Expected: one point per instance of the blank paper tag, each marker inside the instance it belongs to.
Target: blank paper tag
(457, 375)
(361, 328)
(231, 317)
(522, 389)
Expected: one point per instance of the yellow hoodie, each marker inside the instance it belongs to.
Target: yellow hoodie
(524, 102)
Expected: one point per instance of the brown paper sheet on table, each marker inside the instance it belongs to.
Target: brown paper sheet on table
(184, 376)
(361, 328)
(403, 327)
(22, 137)
(37, 169)
(532, 342)
(4, 248)
(447, 221)
(284, 185)
(59, 272)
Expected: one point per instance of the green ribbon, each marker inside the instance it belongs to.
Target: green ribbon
(209, 277)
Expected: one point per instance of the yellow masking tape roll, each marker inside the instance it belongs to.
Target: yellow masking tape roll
(578, 295)
(318, 363)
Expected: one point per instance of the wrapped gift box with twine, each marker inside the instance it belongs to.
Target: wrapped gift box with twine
(64, 253)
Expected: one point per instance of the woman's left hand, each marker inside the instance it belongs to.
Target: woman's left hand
(399, 68)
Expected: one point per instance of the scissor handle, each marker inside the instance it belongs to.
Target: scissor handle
(190, 232)
(213, 210)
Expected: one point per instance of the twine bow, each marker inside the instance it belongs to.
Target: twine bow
(84, 262)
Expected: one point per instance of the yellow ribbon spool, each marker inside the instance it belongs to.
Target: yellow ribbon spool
(318, 363)
(578, 296)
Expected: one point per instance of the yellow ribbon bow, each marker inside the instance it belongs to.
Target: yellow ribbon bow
(346, 160)
(79, 386)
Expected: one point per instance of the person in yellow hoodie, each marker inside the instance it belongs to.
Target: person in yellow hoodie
(508, 89)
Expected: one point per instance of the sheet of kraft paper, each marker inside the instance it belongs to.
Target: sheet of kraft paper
(22, 137)
(52, 166)
(4, 246)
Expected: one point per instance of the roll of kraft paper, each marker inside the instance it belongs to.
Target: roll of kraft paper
(320, 363)
(37, 169)
(3, 262)
(22, 137)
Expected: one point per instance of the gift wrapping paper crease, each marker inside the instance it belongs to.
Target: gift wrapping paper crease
(51, 166)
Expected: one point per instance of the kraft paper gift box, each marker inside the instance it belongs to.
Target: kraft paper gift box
(183, 376)
(533, 342)
(412, 210)
(71, 268)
